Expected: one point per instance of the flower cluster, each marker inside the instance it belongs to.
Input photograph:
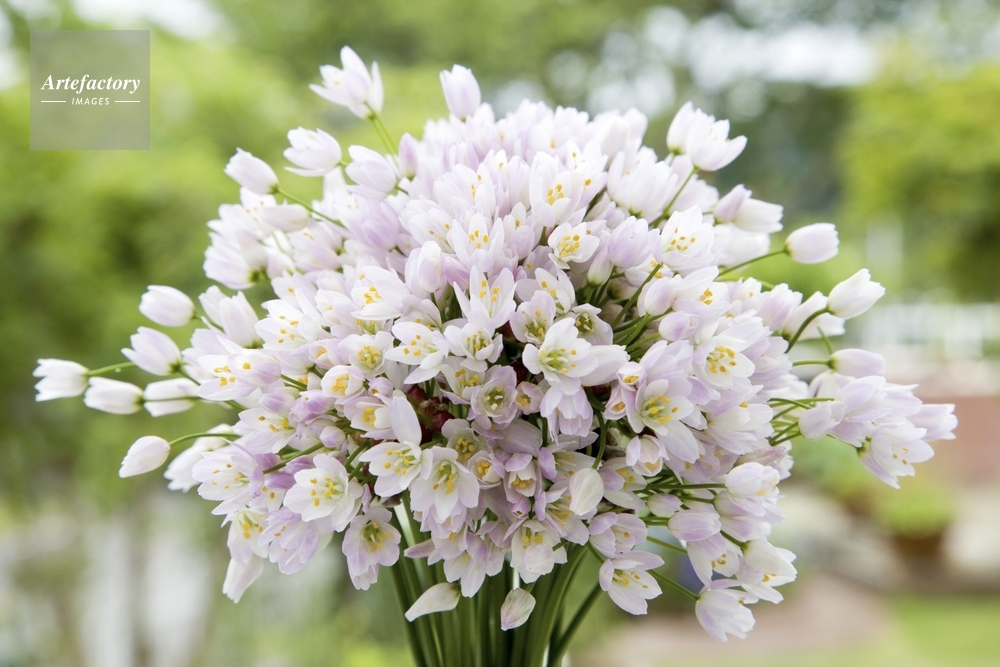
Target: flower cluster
(507, 342)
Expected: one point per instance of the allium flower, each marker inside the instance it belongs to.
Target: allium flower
(252, 173)
(855, 295)
(461, 91)
(522, 334)
(146, 454)
(167, 306)
(314, 151)
(114, 396)
(60, 379)
(813, 244)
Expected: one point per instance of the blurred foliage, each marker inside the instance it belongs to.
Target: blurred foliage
(922, 150)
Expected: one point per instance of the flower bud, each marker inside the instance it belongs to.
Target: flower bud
(238, 320)
(629, 243)
(146, 454)
(858, 363)
(154, 352)
(696, 524)
(516, 609)
(461, 91)
(762, 555)
(252, 173)
(314, 151)
(586, 488)
(723, 612)
(855, 295)
(166, 306)
(439, 597)
(813, 244)
(371, 169)
(286, 217)
(169, 396)
(60, 379)
(818, 421)
(114, 396)
(600, 268)
(663, 504)
(408, 158)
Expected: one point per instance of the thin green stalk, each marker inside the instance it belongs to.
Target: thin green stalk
(751, 261)
(307, 206)
(562, 644)
(802, 328)
(812, 362)
(113, 368)
(670, 582)
(416, 646)
(635, 297)
(667, 545)
(304, 452)
(195, 436)
(666, 210)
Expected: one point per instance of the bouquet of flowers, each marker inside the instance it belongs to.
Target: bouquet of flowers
(497, 351)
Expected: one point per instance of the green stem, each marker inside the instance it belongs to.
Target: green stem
(730, 269)
(560, 646)
(666, 211)
(113, 368)
(635, 297)
(670, 582)
(802, 328)
(295, 384)
(307, 206)
(812, 362)
(667, 545)
(195, 436)
(304, 452)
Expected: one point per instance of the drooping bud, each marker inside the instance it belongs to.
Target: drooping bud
(439, 597)
(146, 454)
(516, 609)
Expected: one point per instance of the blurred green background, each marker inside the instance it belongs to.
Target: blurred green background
(881, 116)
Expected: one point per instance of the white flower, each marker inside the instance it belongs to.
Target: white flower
(166, 306)
(252, 173)
(695, 524)
(325, 490)
(563, 358)
(352, 87)
(748, 214)
(369, 542)
(461, 91)
(146, 454)
(722, 612)
(516, 609)
(446, 486)
(314, 151)
(627, 581)
(535, 551)
(60, 379)
(398, 464)
(854, 296)
(704, 139)
(439, 597)
(114, 396)
(154, 352)
(813, 244)
(572, 243)
(179, 472)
